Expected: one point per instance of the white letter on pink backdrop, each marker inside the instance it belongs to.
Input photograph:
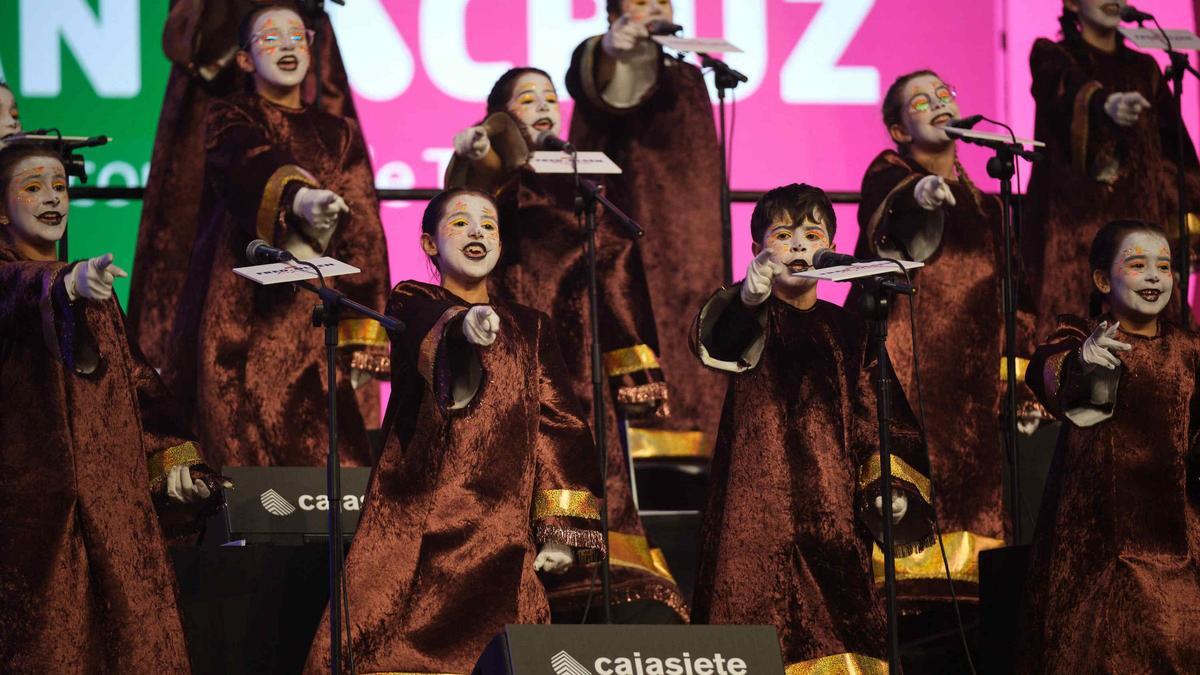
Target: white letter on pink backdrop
(811, 73)
(378, 62)
(445, 56)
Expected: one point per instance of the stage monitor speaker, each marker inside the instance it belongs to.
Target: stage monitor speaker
(289, 505)
(632, 650)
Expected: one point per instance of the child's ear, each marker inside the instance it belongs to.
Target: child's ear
(244, 62)
(756, 248)
(428, 245)
(899, 135)
(1101, 281)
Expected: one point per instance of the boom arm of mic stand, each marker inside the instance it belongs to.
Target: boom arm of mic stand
(337, 298)
(592, 189)
(732, 76)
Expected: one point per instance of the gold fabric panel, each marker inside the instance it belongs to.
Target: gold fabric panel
(962, 552)
(900, 469)
(633, 550)
(839, 664)
(643, 393)
(1079, 126)
(658, 443)
(361, 333)
(161, 463)
(379, 365)
(268, 208)
(569, 503)
(629, 360)
(1022, 366)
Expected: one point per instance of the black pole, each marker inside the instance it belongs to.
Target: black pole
(1183, 256)
(1001, 167)
(726, 212)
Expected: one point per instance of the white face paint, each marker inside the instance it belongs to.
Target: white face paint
(468, 239)
(279, 48)
(1140, 276)
(793, 245)
(534, 102)
(645, 11)
(1101, 14)
(36, 202)
(10, 117)
(928, 103)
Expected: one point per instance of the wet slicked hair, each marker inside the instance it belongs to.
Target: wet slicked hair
(798, 202)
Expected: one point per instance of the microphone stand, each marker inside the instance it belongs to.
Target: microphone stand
(724, 78)
(328, 314)
(1002, 167)
(587, 195)
(876, 306)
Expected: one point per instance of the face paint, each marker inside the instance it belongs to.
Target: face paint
(643, 11)
(534, 102)
(10, 118)
(1101, 14)
(279, 48)
(1140, 276)
(468, 240)
(36, 202)
(793, 245)
(928, 104)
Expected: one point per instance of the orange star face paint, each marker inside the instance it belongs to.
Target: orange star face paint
(534, 102)
(36, 203)
(1140, 278)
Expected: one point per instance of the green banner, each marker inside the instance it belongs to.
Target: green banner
(92, 67)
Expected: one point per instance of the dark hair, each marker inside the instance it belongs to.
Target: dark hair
(11, 155)
(1069, 23)
(497, 99)
(613, 7)
(893, 100)
(798, 201)
(246, 27)
(1104, 251)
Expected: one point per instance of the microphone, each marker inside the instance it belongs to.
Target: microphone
(965, 122)
(259, 251)
(828, 258)
(661, 27)
(68, 142)
(548, 140)
(1130, 14)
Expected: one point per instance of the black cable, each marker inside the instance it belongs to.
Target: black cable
(587, 604)
(912, 325)
(315, 269)
(729, 143)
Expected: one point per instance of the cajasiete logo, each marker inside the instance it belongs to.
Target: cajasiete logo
(275, 504)
(685, 664)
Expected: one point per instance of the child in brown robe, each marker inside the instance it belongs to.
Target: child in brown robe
(89, 450)
(489, 472)
(794, 498)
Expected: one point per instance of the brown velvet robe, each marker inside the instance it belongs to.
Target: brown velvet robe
(246, 359)
(959, 315)
(795, 469)
(1114, 584)
(199, 39)
(473, 480)
(667, 148)
(87, 437)
(1094, 171)
(544, 265)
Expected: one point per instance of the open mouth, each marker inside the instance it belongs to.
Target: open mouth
(475, 251)
(1150, 294)
(544, 124)
(1111, 9)
(798, 265)
(53, 218)
(941, 119)
(288, 63)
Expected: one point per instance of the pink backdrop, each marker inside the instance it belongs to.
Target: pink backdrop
(817, 68)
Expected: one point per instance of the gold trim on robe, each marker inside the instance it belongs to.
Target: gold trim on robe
(633, 550)
(268, 208)
(839, 664)
(962, 552)
(379, 365)
(1079, 126)
(629, 360)
(160, 463)
(362, 333)
(1022, 366)
(569, 503)
(643, 393)
(660, 443)
(427, 352)
(900, 469)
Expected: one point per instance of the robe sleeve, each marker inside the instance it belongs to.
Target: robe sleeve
(30, 289)
(260, 178)
(566, 508)
(613, 87)
(1075, 101)
(909, 461)
(1057, 378)
(432, 344)
(727, 335)
(200, 35)
(892, 224)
